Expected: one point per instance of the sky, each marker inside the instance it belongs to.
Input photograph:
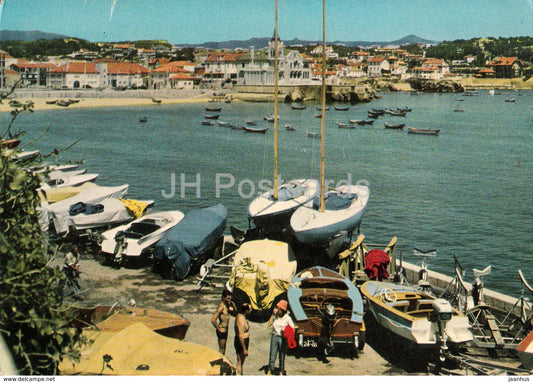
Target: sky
(198, 21)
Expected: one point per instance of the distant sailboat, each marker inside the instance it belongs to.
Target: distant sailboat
(340, 209)
(272, 210)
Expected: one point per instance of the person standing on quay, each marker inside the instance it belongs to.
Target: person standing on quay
(221, 318)
(242, 335)
(278, 345)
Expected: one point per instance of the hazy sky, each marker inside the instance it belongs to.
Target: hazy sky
(197, 21)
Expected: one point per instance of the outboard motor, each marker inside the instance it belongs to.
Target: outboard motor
(328, 321)
(120, 244)
(442, 313)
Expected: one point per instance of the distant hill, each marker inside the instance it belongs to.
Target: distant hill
(258, 43)
(262, 42)
(6, 35)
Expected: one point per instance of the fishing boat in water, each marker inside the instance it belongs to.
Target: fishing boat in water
(211, 116)
(342, 108)
(298, 107)
(259, 130)
(416, 315)
(390, 126)
(414, 130)
(327, 309)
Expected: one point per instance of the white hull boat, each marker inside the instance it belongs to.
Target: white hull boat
(65, 180)
(344, 210)
(59, 213)
(267, 213)
(109, 212)
(415, 315)
(136, 237)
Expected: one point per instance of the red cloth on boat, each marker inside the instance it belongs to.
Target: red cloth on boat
(289, 335)
(376, 264)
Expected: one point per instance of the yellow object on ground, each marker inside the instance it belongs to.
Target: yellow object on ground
(135, 207)
(137, 350)
(263, 270)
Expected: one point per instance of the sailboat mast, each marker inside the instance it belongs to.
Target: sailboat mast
(323, 116)
(276, 64)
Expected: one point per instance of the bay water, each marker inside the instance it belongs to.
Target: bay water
(467, 192)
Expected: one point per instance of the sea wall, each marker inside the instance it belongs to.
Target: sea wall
(441, 282)
(334, 93)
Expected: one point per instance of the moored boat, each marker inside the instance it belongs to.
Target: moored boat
(390, 126)
(260, 130)
(346, 125)
(414, 130)
(61, 179)
(327, 309)
(213, 108)
(211, 116)
(298, 107)
(342, 108)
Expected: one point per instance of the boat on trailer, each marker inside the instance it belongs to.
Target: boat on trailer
(327, 309)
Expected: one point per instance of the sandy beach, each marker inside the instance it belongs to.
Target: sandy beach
(106, 285)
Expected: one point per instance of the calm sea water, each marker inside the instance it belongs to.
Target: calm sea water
(467, 192)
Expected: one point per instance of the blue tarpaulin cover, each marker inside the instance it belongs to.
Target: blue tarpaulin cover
(197, 233)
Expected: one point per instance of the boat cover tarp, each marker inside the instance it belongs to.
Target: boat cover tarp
(263, 269)
(137, 350)
(53, 195)
(335, 201)
(197, 233)
(58, 212)
(290, 191)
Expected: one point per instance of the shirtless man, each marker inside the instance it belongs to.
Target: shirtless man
(242, 335)
(220, 319)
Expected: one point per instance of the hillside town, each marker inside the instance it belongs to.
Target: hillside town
(122, 66)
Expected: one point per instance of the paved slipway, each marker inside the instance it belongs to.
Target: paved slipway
(106, 285)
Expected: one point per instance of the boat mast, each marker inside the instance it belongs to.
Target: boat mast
(323, 116)
(276, 103)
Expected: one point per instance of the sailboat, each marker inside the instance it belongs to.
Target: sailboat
(272, 210)
(340, 209)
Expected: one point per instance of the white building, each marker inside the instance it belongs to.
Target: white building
(74, 75)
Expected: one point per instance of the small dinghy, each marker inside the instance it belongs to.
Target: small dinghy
(192, 240)
(134, 239)
(327, 309)
(64, 179)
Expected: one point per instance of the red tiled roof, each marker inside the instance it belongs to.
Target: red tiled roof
(126, 68)
(181, 77)
(35, 65)
(171, 67)
(377, 59)
(505, 61)
(213, 57)
(433, 61)
(487, 70)
(103, 60)
(76, 67)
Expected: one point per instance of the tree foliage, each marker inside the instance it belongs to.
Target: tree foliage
(42, 48)
(33, 321)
